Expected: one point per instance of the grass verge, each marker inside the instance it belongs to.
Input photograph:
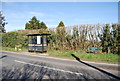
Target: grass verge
(13, 49)
(83, 55)
(97, 57)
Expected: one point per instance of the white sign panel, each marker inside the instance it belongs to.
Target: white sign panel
(38, 40)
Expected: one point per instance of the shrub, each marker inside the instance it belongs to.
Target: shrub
(11, 39)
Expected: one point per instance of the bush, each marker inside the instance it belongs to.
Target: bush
(11, 39)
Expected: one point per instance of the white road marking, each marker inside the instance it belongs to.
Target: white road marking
(32, 54)
(48, 67)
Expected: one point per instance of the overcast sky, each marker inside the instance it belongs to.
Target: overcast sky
(71, 13)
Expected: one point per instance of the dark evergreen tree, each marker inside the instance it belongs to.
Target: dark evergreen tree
(43, 25)
(115, 39)
(61, 31)
(2, 23)
(110, 39)
(34, 23)
(61, 24)
(27, 26)
(61, 28)
(105, 38)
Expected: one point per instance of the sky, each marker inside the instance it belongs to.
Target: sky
(51, 13)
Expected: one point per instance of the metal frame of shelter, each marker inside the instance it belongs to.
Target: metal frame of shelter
(37, 42)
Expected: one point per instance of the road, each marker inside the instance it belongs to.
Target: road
(20, 66)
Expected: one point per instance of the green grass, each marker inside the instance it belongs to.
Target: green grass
(8, 49)
(103, 57)
(13, 49)
(98, 57)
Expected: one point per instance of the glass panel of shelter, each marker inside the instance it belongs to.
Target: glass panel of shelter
(32, 39)
(38, 40)
(44, 40)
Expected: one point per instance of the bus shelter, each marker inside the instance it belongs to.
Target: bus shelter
(37, 42)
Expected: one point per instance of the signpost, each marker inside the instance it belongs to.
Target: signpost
(93, 49)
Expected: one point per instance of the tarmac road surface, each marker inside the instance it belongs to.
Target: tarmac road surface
(20, 66)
